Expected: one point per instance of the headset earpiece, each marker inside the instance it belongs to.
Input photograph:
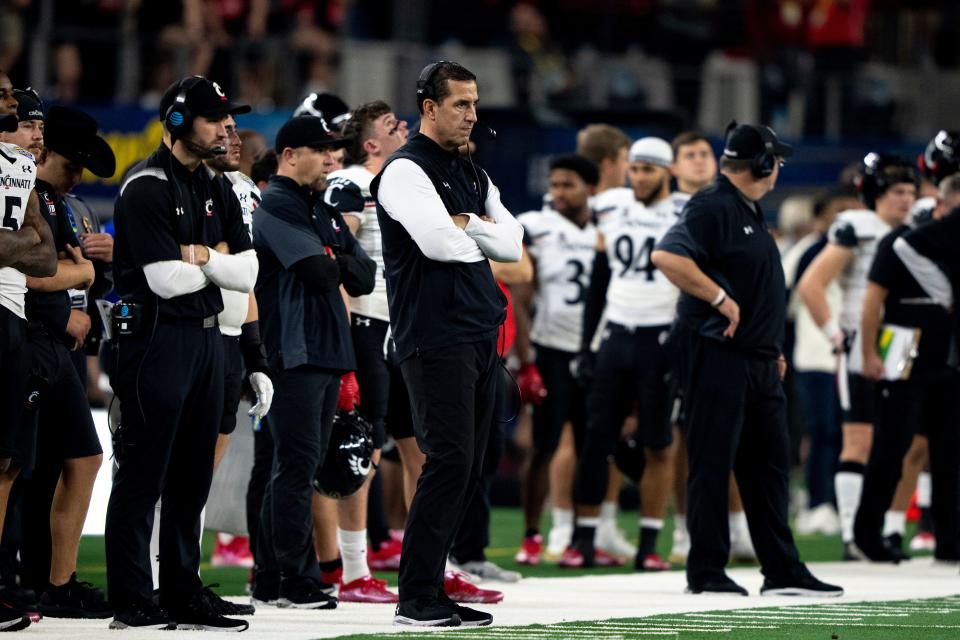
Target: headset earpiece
(763, 164)
(178, 118)
(425, 89)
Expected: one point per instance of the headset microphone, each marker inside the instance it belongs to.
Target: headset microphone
(219, 150)
(204, 153)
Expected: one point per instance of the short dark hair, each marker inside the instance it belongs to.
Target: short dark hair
(735, 165)
(684, 138)
(587, 170)
(359, 128)
(439, 81)
(264, 166)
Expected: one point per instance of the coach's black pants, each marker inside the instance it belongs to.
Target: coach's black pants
(170, 390)
(259, 477)
(301, 418)
(735, 420)
(904, 408)
(452, 396)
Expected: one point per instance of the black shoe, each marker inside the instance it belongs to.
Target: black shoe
(304, 593)
(719, 586)
(875, 551)
(266, 589)
(468, 617)
(145, 615)
(802, 584)
(426, 612)
(75, 599)
(20, 600)
(198, 615)
(894, 544)
(225, 607)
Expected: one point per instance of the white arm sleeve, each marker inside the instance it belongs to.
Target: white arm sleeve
(502, 241)
(926, 272)
(408, 196)
(172, 278)
(233, 272)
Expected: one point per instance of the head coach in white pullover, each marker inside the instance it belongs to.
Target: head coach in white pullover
(441, 220)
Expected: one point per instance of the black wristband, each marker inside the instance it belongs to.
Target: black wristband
(254, 355)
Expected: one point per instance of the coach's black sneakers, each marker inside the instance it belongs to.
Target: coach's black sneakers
(894, 543)
(802, 584)
(143, 615)
(75, 599)
(198, 615)
(20, 600)
(718, 586)
(304, 593)
(426, 612)
(225, 607)
(11, 620)
(468, 617)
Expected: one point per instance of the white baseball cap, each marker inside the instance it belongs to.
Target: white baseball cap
(652, 151)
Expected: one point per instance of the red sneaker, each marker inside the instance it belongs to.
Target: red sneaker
(386, 558)
(367, 589)
(235, 553)
(530, 550)
(651, 562)
(459, 589)
(573, 559)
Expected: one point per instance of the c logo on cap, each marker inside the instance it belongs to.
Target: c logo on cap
(219, 91)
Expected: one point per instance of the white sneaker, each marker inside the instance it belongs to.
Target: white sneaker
(681, 546)
(610, 538)
(821, 519)
(558, 540)
(488, 571)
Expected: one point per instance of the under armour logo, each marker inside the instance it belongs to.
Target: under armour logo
(179, 210)
(363, 322)
(447, 185)
(748, 230)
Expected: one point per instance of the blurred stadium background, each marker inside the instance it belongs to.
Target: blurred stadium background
(835, 77)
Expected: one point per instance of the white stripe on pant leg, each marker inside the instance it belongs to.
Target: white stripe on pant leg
(155, 547)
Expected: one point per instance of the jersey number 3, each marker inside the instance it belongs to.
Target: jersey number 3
(10, 206)
(634, 259)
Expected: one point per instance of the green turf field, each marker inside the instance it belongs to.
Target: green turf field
(505, 532)
(927, 619)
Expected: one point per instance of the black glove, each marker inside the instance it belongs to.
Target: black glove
(582, 367)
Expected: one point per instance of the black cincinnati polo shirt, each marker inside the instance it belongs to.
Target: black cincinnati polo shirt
(725, 234)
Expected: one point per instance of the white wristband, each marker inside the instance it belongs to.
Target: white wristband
(830, 329)
(721, 296)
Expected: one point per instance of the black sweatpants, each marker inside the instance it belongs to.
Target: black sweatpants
(735, 420)
(301, 418)
(452, 396)
(930, 407)
(259, 477)
(170, 390)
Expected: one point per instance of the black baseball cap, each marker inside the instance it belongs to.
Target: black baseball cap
(747, 141)
(203, 98)
(29, 106)
(73, 134)
(308, 131)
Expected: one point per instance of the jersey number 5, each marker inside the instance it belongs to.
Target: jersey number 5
(10, 205)
(633, 260)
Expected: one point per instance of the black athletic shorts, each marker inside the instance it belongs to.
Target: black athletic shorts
(383, 395)
(232, 383)
(565, 402)
(863, 400)
(14, 367)
(62, 417)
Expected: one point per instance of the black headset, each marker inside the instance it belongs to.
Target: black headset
(425, 88)
(178, 118)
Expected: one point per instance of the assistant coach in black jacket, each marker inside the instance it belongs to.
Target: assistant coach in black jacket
(440, 220)
(306, 252)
